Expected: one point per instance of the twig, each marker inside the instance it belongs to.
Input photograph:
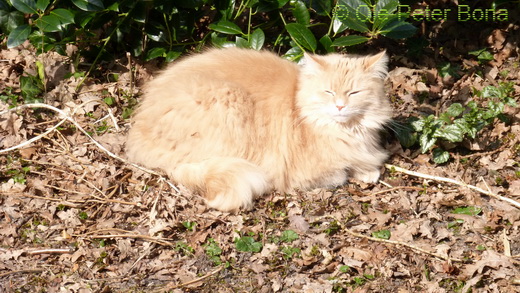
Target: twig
(456, 182)
(398, 188)
(126, 234)
(394, 242)
(21, 271)
(49, 251)
(440, 256)
(67, 117)
(169, 287)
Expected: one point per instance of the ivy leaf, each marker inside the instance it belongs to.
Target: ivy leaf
(447, 69)
(226, 27)
(9, 20)
(440, 156)
(302, 35)
(18, 35)
(289, 236)
(31, 87)
(349, 41)
(257, 39)
(248, 244)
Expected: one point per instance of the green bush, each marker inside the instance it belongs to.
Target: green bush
(164, 28)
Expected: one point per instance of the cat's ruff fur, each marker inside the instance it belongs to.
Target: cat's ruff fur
(232, 124)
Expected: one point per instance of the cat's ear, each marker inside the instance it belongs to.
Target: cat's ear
(377, 64)
(311, 64)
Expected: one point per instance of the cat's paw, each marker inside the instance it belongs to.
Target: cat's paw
(368, 176)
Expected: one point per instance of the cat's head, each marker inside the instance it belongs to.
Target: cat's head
(344, 90)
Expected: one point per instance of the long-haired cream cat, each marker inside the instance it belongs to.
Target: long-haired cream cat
(232, 124)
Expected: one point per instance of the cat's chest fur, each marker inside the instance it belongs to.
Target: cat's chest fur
(233, 124)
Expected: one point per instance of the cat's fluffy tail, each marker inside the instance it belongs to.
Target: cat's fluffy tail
(228, 184)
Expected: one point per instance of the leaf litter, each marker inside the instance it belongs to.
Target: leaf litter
(76, 219)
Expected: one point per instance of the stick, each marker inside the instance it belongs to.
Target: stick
(66, 117)
(440, 256)
(21, 271)
(50, 251)
(394, 242)
(448, 180)
(169, 287)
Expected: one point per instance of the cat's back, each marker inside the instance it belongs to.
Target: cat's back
(254, 70)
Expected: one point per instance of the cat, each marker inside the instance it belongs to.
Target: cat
(232, 124)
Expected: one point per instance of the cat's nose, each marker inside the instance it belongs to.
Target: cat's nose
(340, 107)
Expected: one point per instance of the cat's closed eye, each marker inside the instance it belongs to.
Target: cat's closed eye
(332, 93)
(353, 92)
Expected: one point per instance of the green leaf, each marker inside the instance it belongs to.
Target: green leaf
(288, 252)
(418, 124)
(289, 236)
(48, 23)
(344, 269)
(426, 142)
(301, 13)
(9, 20)
(338, 26)
(293, 54)
(248, 244)
(212, 248)
(470, 211)
(226, 27)
(483, 55)
(154, 53)
(89, 5)
(18, 36)
(31, 87)
(384, 12)
(440, 156)
(241, 42)
(349, 41)
(64, 15)
(353, 14)
(398, 29)
(326, 42)
(257, 39)
(447, 69)
(302, 35)
(452, 133)
(455, 110)
(40, 69)
(382, 234)
(172, 55)
(42, 4)
(25, 6)
(404, 133)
